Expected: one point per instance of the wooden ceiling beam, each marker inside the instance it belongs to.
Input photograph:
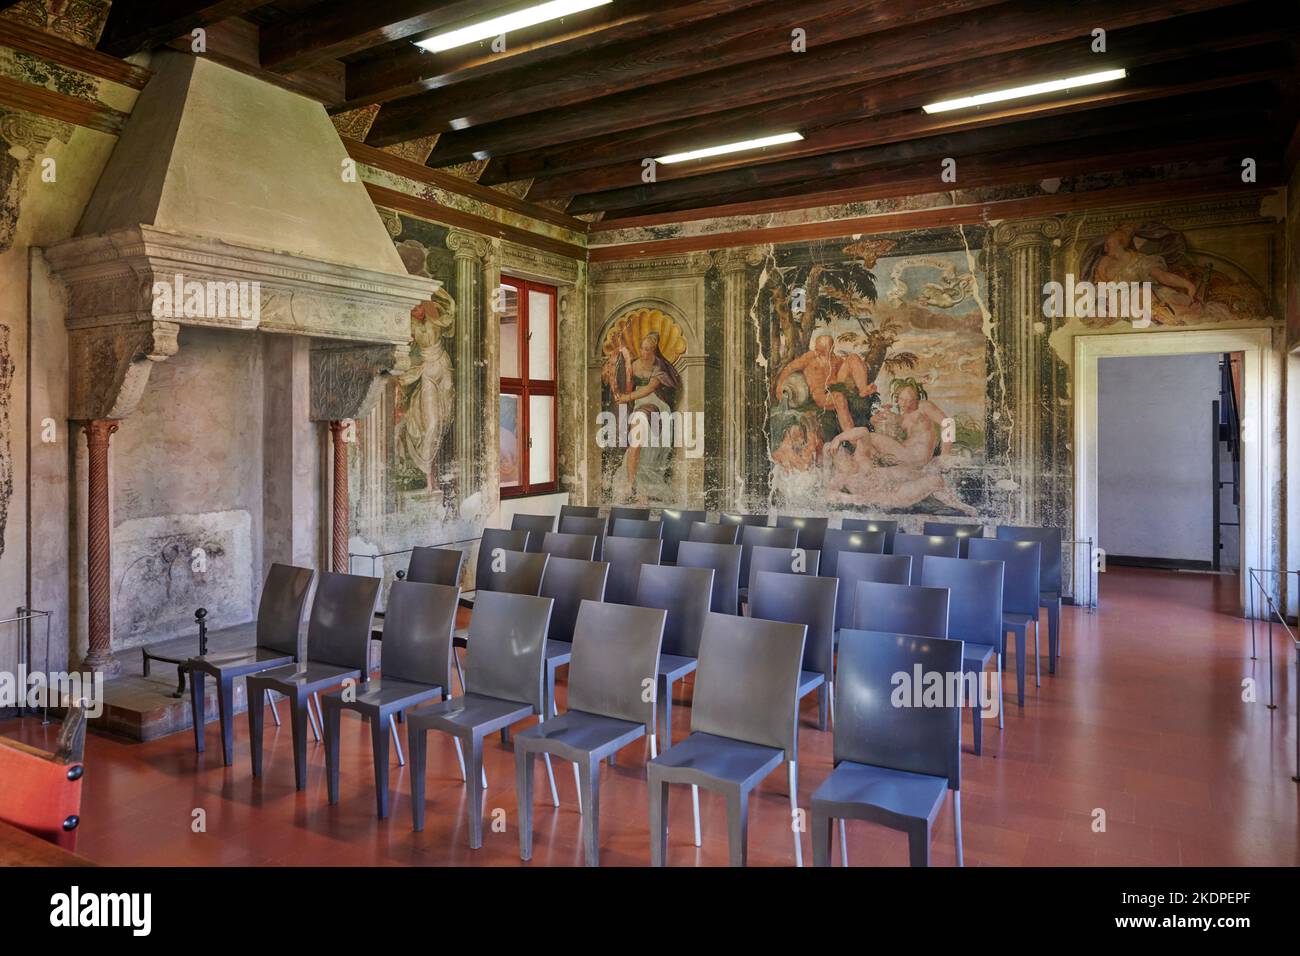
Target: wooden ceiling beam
(1004, 27)
(135, 25)
(751, 33)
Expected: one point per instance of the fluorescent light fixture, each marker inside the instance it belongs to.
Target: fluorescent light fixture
(1033, 89)
(487, 29)
(744, 144)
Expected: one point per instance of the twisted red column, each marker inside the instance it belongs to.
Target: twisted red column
(99, 657)
(339, 525)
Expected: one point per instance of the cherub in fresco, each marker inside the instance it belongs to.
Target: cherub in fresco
(797, 451)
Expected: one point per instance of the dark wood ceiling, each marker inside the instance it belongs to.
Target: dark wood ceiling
(567, 113)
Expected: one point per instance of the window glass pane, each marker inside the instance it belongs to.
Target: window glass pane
(510, 441)
(541, 350)
(508, 298)
(541, 427)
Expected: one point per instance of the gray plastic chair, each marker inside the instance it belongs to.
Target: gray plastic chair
(974, 618)
(782, 561)
(864, 566)
(812, 531)
(279, 619)
(338, 648)
(558, 544)
(685, 593)
(748, 521)
(922, 546)
(709, 533)
(860, 542)
(614, 648)
(636, 514)
(752, 536)
(743, 726)
(504, 667)
(428, 566)
(625, 556)
(568, 582)
(416, 668)
(579, 511)
(892, 764)
(901, 609)
(889, 528)
(677, 526)
(1049, 581)
(510, 572)
(723, 559)
(1020, 591)
(636, 528)
(810, 600)
(592, 526)
(537, 527)
(492, 540)
(962, 532)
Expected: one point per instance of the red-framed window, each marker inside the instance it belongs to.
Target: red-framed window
(526, 315)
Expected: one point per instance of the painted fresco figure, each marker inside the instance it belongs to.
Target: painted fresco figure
(650, 384)
(835, 384)
(426, 390)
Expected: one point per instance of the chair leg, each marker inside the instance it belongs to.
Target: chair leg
(320, 718)
(198, 703)
(226, 711)
(417, 744)
(550, 773)
(830, 701)
(666, 708)
(823, 835)
(918, 844)
(577, 786)
(1038, 663)
(301, 708)
(275, 709)
(255, 739)
(397, 741)
(460, 757)
(475, 794)
(654, 746)
(524, 787)
(956, 824)
(460, 674)
(332, 735)
(844, 844)
(695, 805)
(589, 789)
(977, 725)
(822, 691)
(794, 812)
(658, 822)
(1001, 708)
(312, 720)
(1053, 635)
(738, 826)
(1020, 667)
(550, 709)
(379, 751)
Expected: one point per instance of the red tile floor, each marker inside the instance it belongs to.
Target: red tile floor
(1144, 720)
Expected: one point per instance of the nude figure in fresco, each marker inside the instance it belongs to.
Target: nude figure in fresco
(822, 369)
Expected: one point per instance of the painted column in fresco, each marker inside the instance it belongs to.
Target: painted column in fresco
(1025, 266)
(469, 251)
(99, 656)
(738, 372)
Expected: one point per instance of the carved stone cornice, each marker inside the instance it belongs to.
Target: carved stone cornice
(347, 379)
(662, 267)
(467, 245)
(538, 262)
(1022, 232)
(739, 258)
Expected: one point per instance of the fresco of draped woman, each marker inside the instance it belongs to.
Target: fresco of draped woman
(425, 393)
(641, 350)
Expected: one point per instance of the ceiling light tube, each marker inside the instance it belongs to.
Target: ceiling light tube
(487, 29)
(1033, 89)
(737, 147)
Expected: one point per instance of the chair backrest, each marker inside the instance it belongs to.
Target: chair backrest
(747, 684)
(901, 609)
(435, 566)
(837, 540)
(890, 528)
(625, 557)
(974, 597)
(812, 531)
(559, 544)
(858, 566)
(782, 561)
(1021, 578)
(870, 725)
(636, 528)
(962, 532)
(677, 526)
(418, 625)
(595, 527)
(709, 533)
(515, 572)
(800, 599)
(570, 582)
(754, 535)
(686, 594)
(1050, 575)
(636, 514)
(723, 559)
(342, 615)
(493, 540)
(536, 525)
(615, 647)
(279, 613)
(42, 791)
(579, 511)
(922, 546)
(731, 517)
(507, 647)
